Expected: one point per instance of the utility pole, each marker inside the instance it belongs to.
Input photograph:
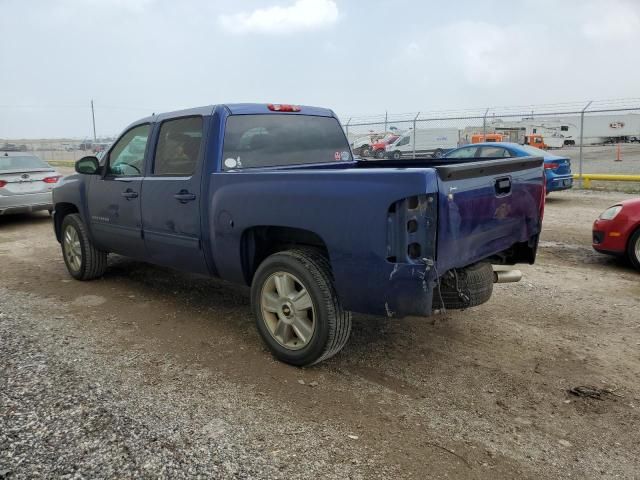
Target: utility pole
(93, 117)
(582, 136)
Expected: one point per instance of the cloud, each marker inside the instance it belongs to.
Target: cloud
(484, 54)
(619, 20)
(303, 15)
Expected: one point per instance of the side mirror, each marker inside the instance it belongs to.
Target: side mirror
(88, 165)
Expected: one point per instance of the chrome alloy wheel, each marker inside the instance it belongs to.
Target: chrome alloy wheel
(72, 248)
(287, 310)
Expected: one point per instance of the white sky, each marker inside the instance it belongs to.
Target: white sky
(136, 57)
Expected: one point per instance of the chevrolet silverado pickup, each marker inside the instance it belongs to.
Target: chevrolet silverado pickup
(271, 196)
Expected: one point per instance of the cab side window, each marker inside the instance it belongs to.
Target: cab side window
(126, 158)
(466, 152)
(494, 152)
(403, 141)
(178, 147)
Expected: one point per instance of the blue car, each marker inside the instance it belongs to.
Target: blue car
(557, 169)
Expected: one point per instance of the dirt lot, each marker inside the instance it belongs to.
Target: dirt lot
(149, 372)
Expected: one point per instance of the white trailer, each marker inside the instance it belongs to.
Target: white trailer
(431, 142)
(565, 130)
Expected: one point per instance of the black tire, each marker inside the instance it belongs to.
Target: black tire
(93, 262)
(464, 287)
(633, 249)
(365, 151)
(379, 154)
(397, 155)
(332, 323)
(437, 153)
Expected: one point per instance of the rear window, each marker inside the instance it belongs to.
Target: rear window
(21, 161)
(274, 140)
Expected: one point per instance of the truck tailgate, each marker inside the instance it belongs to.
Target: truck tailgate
(486, 207)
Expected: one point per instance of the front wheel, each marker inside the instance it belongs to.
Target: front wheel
(365, 151)
(633, 249)
(380, 154)
(83, 260)
(397, 155)
(296, 308)
(437, 153)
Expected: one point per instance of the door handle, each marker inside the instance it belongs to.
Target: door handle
(129, 194)
(503, 186)
(184, 196)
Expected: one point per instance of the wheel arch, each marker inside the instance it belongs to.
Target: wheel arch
(632, 231)
(258, 242)
(61, 210)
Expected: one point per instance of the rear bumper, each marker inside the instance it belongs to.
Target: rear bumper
(25, 203)
(559, 182)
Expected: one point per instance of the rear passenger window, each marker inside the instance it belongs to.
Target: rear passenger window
(494, 152)
(178, 147)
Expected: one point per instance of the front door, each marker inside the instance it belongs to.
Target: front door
(171, 196)
(114, 198)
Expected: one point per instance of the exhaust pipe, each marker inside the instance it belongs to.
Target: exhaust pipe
(507, 276)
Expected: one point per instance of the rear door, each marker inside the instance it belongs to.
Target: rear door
(171, 196)
(485, 207)
(114, 198)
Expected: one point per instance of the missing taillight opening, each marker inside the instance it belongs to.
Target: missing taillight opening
(414, 250)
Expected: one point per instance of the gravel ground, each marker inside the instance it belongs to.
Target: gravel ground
(154, 373)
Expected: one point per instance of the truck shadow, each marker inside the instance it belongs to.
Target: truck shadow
(220, 305)
(24, 219)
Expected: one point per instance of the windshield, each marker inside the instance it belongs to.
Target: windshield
(281, 139)
(19, 162)
(533, 150)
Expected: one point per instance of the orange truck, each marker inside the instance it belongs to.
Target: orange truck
(487, 137)
(535, 141)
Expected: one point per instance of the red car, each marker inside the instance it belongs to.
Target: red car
(378, 148)
(617, 231)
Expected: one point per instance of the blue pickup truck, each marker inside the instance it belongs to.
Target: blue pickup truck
(272, 197)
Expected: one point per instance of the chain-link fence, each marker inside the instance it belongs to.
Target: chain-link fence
(56, 150)
(598, 137)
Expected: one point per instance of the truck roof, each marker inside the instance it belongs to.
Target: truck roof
(235, 109)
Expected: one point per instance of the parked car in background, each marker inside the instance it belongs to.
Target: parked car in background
(26, 183)
(557, 170)
(378, 148)
(617, 231)
(12, 147)
(430, 142)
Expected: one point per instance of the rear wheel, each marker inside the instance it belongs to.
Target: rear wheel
(297, 311)
(365, 151)
(437, 153)
(380, 154)
(83, 260)
(633, 249)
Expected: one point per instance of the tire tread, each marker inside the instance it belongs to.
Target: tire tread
(94, 260)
